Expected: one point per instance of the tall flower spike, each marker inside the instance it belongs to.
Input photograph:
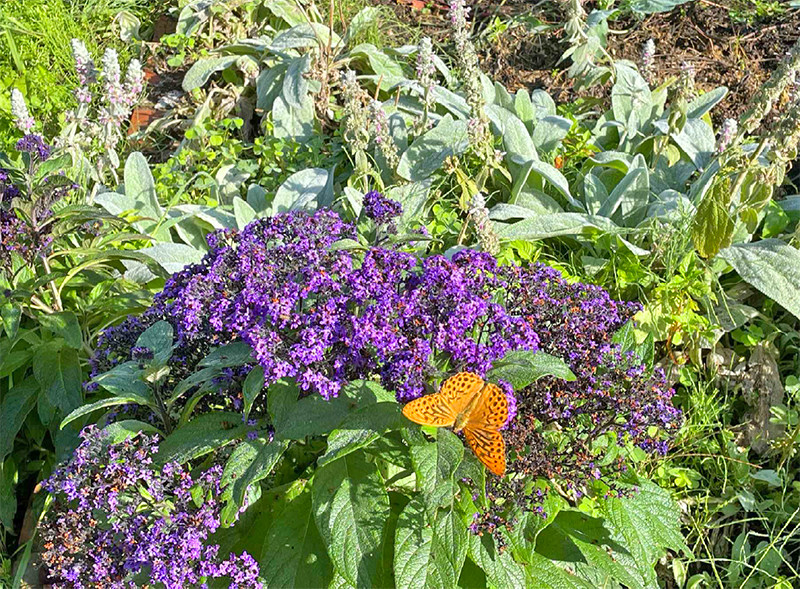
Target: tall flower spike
(648, 59)
(426, 71)
(483, 225)
(134, 82)
(19, 110)
(383, 135)
(726, 134)
(356, 123)
(84, 64)
(469, 70)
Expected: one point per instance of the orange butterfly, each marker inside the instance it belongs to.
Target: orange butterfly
(466, 402)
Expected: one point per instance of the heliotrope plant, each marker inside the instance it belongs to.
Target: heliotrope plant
(326, 316)
(119, 520)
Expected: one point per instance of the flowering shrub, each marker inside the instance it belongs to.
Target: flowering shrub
(117, 517)
(325, 316)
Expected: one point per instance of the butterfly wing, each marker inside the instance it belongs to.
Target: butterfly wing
(442, 408)
(482, 429)
(489, 447)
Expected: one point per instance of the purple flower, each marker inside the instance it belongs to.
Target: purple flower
(116, 516)
(380, 209)
(34, 145)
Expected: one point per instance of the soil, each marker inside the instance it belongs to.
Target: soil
(703, 33)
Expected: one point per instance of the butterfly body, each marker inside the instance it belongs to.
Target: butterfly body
(466, 403)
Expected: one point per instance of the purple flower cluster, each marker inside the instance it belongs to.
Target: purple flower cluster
(34, 145)
(117, 517)
(325, 317)
(381, 209)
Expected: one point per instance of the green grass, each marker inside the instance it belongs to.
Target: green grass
(35, 51)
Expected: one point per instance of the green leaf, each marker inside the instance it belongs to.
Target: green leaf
(244, 212)
(517, 142)
(361, 428)
(233, 354)
(295, 419)
(294, 553)
(259, 469)
(521, 368)
(705, 102)
(8, 501)
(140, 186)
(553, 225)
(712, 228)
(425, 556)
(10, 314)
(429, 151)
(501, 570)
(203, 69)
(293, 123)
(301, 190)
(64, 325)
(252, 387)
(631, 99)
(351, 508)
(646, 524)
(124, 379)
(654, 6)
(435, 464)
(103, 403)
(173, 257)
(200, 436)
(158, 339)
(295, 84)
(119, 431)
(544, 574)
(631, 195)
(771, 266)
(16, 405)
(58, 371)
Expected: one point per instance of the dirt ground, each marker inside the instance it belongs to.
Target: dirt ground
(737, 53)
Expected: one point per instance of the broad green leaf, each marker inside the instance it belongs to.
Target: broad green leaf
(294, 555)
(204, 68)
(712, 228)
(631, 195)
(158, 339)
(550, 174)
(654, 6)
(429, 151)
(435, 464)
(312, 415)
(232, 354)
(8, 501)
(361, 428)
(140, 186)
(428, 556)
(173, 257)
(549, 132)
(631, 99)
(553, 225)
(517, 142)
(301, 190)
(120, 431)
(16, 405)
(64, 325)
(124, 379)
(544, 574)
(697, 140)
(269, 86)
(351, 508)
(521, 368)
(523, 536)
(58, 371)
(380, 63)
(103, 403)
(584, 545)
(646, 524)
(295, 83)
(259, 469)
(502, 572)
(243, 455)
(244, 212)
(200, 436)
(705, 102)
(10, 314)
(770, 265)
(293, 123)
